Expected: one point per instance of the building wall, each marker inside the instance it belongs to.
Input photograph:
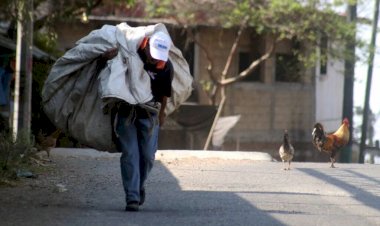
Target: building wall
(266, 111)
(267, 107)
(70, 32)
(329, 95)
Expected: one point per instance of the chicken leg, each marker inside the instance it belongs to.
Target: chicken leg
(332, 162)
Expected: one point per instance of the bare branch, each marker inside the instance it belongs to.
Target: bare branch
(234, 46)
(251, 67)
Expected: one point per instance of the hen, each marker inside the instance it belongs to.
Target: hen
(286, 151)
(331, 143)
(46, 143)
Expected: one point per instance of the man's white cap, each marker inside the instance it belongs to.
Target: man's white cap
(159, 45)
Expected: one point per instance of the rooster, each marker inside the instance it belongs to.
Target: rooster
(46, 143)
(331, 143)
(286, 151)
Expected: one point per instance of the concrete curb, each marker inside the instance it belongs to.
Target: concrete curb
(170, 154)
(226, 155)
(85, 152)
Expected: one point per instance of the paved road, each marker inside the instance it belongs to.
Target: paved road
(83, 187)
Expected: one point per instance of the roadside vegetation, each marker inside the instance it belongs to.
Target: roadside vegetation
(16, 157)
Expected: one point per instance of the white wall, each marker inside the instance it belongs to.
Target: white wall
(329, 95)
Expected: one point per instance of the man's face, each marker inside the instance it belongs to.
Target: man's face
(149, 58)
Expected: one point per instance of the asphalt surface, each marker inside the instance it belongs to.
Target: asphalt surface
(188, 188)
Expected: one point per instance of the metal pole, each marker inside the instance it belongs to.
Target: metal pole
(369, 82)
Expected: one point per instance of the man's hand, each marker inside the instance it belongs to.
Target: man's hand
(110, 53)
(107, 55)
(162, 114)
(161, 118)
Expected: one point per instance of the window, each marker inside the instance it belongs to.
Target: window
(323, 58)
(287, 68)
(186, 46)
(245, 59)
(182, 42)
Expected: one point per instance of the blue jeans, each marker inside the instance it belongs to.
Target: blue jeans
(136, 139)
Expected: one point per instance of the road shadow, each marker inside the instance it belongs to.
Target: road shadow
(352, 185)
(168, 204)
(363, 176)
(95, 196)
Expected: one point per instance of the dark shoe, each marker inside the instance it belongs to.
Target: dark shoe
(142, 197)
(132, 206)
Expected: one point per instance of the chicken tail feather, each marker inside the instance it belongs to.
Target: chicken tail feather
(319, 136)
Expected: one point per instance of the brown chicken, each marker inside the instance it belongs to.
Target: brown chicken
(331, 143)
(46, 143)
(286, 151)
